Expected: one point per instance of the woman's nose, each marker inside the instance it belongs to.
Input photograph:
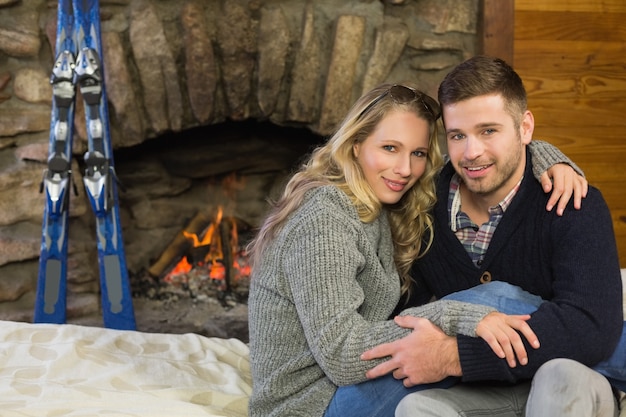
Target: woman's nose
(403, 166)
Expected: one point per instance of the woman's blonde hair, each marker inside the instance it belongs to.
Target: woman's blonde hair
(335, 163)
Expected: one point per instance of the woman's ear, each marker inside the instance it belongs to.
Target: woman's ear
(355, 149)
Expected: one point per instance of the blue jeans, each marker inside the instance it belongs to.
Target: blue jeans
(510, 299)
(375, 398)
(379, 397)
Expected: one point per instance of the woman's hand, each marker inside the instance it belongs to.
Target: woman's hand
(563, 181)
(499, 331)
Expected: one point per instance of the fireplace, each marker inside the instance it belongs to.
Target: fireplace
(211, 105)
(191, 211)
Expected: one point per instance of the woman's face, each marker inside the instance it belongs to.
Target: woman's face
(394, 156)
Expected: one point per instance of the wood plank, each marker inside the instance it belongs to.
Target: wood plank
(613, 193)
(495, 29)
(599, 6)
(619, 223)
(609, 175)
(619, 220)
(547, 25)
(569, 113)
(540, 83)
(587, 144)
(571, 57)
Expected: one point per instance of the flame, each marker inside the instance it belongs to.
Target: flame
(213, 260)
(208, 233)
(217, 271)
(181, 267)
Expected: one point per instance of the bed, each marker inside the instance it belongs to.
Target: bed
(69, 370)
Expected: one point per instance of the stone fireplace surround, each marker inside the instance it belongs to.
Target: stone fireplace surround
(200, 92)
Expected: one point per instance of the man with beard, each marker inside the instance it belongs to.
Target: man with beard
(491, 227)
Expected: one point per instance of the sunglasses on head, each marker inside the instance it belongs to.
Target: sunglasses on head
(402, 94)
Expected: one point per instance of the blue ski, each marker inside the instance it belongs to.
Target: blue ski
(50, 304)
(99, 178)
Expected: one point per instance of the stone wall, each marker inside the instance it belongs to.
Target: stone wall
(174, 66)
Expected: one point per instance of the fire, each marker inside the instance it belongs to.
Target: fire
(217, 271)
(209, 233)
(212, 250)
(182, 267)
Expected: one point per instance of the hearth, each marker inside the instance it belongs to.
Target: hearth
(207, 258)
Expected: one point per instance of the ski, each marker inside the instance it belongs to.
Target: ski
(99, 178)
(50, 304)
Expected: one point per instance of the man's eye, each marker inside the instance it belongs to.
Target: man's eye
(389, 147)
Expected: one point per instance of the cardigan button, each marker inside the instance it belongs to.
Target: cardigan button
(485, 278)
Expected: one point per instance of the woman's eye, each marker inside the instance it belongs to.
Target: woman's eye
(389, 148)
(419, 154)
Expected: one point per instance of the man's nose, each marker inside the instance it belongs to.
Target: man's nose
(473, 148)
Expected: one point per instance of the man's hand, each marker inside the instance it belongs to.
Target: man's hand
(499, 331)
(563, 181)
(424, 356)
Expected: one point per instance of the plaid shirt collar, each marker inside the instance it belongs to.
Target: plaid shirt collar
(475, 239)
(454, 202)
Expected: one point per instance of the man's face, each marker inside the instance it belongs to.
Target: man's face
(485, 147)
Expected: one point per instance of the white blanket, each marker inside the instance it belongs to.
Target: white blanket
(71, 371)
(67, 370)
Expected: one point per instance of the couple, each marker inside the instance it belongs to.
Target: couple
(334, 258)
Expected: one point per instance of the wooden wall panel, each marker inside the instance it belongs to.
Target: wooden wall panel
(600, 6)
(566, 25)
(542, 84)
(571, 55)
(590, 144)
(567, 113)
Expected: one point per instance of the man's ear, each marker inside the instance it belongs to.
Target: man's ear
(527, 127)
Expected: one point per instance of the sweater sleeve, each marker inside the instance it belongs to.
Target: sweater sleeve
(453, 317)
(546, 155)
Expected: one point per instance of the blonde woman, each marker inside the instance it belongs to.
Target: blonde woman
(333, 257)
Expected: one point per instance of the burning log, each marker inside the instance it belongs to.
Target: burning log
(179, 245)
